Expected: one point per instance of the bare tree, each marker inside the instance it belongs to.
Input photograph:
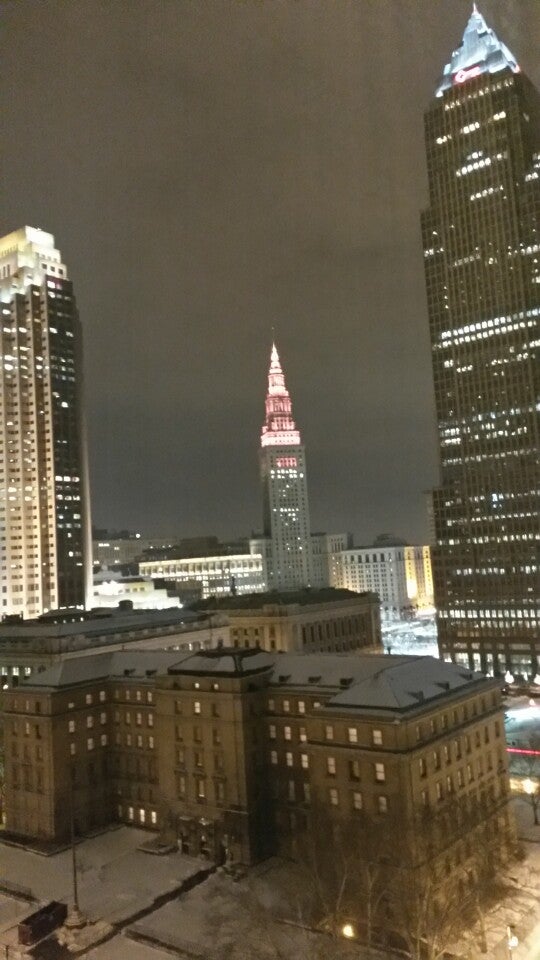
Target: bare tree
(526, 765)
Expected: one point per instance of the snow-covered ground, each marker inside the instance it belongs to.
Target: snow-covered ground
(415, 637)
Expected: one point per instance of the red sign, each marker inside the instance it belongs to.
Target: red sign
(462, 75)
(286, 462)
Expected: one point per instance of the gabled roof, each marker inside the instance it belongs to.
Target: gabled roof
(480, 51)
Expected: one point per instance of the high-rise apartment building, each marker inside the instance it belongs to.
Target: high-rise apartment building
(481, 238)
(286, 547)
(45, 556)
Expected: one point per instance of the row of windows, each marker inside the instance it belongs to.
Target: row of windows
(352, 734)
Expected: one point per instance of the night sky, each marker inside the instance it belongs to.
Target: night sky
(214, 169)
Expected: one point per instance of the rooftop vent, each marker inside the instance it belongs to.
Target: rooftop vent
(283, 677)
(417, 694)
(129, 673)
(151, 673)
(314, 679)
(345, 681)
(443, 684)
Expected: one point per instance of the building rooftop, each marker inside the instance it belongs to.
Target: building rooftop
(479, 52)
(275, 598)
(384, 685)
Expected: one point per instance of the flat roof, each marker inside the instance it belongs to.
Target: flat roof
(285, 598)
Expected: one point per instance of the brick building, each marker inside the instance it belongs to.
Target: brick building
(231, 752)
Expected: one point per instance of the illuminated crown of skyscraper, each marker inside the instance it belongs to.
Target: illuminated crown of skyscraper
(480, 52)
(279, 428)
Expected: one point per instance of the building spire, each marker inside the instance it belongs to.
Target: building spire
(479, 52)
(279, 428)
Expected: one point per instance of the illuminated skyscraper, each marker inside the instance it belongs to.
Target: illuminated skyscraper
(481, 238)
(286, 546)
(45, 555)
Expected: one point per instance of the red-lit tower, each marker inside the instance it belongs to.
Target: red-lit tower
(287, 535)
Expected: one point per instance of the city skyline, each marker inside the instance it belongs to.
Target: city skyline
(318, 270)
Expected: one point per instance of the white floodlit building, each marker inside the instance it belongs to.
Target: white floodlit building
(45, 556)
(400, 575)
(217, 576)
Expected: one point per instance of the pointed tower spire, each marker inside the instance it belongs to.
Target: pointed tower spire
(480, 51)
(279, 428)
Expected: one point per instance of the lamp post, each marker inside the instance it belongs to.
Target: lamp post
(75, 919)
(511, 941)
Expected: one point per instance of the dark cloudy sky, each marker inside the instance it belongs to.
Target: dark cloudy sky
(213, 168)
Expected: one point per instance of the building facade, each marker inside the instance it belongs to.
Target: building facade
(481, 235)
(287, 553)
(45, 555)
(33, 646)
(400, 575)
(217, 576)
(234, 754)
(311, 621)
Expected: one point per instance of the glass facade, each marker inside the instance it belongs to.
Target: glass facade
(481, 240)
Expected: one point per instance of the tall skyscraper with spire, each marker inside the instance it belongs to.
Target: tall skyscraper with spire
(481, 239)
(45, 546)
(286, 547)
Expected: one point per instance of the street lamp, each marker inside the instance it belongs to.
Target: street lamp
(348, 931)
(511, 941)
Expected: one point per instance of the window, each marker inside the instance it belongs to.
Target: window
(446, 751)
(89, 722)
(127, 717)
(353, 735)
(422, 767)
(272, 731)
(287, 733)
(103, 739)
(139, 741)
(331, 766)
(72, 749)
(449, 785)
(301, 706)
(286, 706)
(439, 790)
(90, 743)
(272, 705)
(418, 732)
(380, 773)
(128, 739)
(153, 817)
(138, 719)
(197, 707)
(307, 793)
(289, 759)
(377, 738)
(201, 788)
(71, 726)
(460, 778)
(216, 736)
(130, 813)
(329, 732)
(102, 696)
(138, 695)
(425, 798)
(181, 786)
(304, 760)
(149, 696)
(291, 790)
(150, 719)
(302, 735)
(357, 800)
(382, 804)
(436, 760)
(333, 796)
(273, 756)
(102, 718)
(198, 758)
(88, 699)
(354, 769)
(470, 774)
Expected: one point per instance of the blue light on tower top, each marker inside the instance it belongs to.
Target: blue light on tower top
(480, 51)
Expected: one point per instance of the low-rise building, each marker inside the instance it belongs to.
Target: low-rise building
(109, 589)
(219, 576)
(233, 753)
(304, 621)
(28, 647)
(400, 574)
